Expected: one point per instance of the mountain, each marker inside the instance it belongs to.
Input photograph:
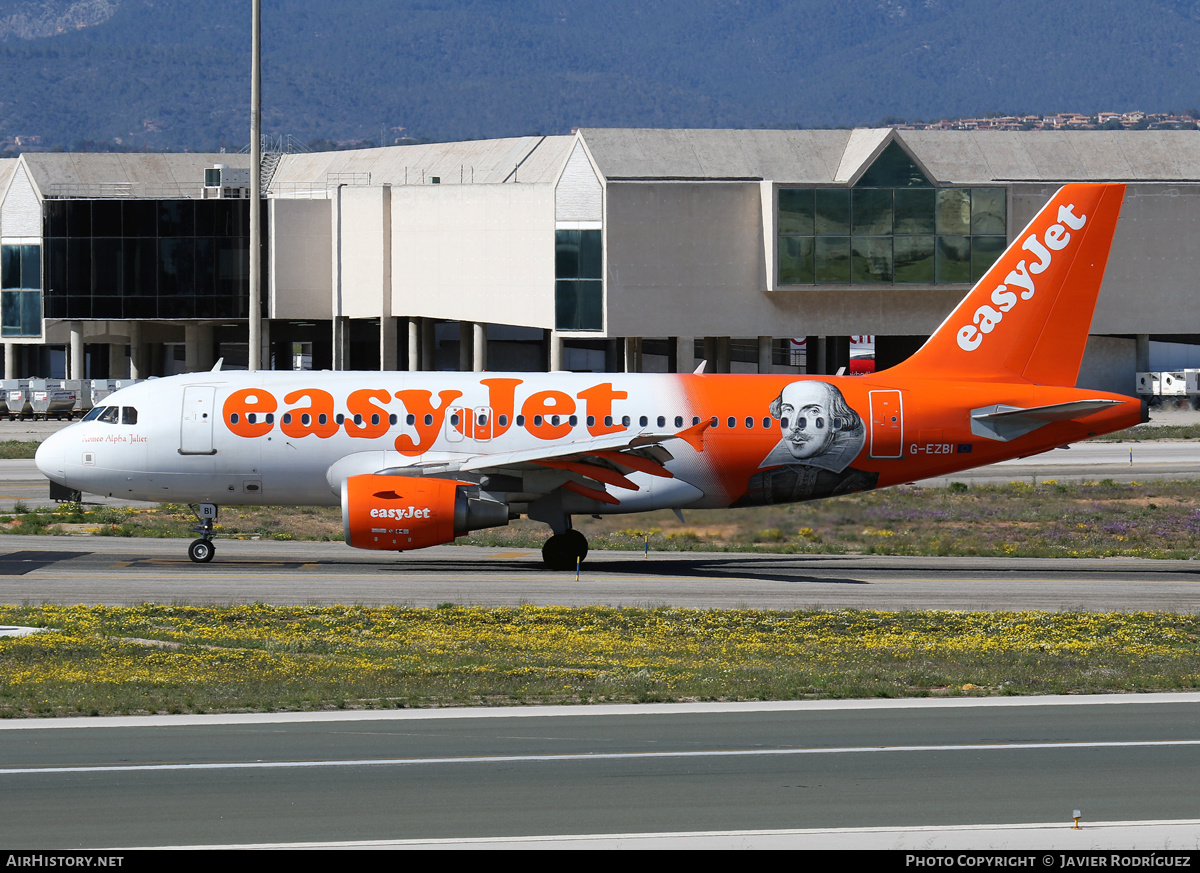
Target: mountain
(157, 74)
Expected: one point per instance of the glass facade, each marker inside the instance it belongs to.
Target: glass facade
(578, 280)
(893, 227)
(148, 258)
(20, 290)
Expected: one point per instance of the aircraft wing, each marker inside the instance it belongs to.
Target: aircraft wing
(585, 466)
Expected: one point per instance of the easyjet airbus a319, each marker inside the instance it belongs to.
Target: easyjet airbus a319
(417, 459)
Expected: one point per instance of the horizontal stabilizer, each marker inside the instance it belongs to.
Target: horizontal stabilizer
(1006, 423)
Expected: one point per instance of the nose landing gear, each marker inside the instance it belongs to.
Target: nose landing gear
(202, 550)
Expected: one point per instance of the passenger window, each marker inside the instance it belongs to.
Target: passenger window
(454, 420)
(502, 420)
(251, 417)
(520, 421)
(749, 421)
(643, 421)
(287, 418)
(766, 421)
(608, 421)
(537, 421)
(801, 423)
(625, 421)
(731, 422)
(428, 419)
(573, 420)
(679, 421)
(554, 420)
(358, 418)
(270, 418)
(591, 421)
(662, 421)
(305, 418)
(374, 417)
(783, 422)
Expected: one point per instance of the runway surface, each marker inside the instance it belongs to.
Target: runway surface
(881, 774)
(126, 571)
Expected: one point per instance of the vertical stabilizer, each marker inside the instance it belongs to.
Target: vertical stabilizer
(1027, 319)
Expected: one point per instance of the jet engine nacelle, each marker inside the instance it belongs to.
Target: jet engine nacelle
(397, 513)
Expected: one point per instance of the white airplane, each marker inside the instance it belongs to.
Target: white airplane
(417, 459)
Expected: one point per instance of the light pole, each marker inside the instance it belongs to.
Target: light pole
(255, 356)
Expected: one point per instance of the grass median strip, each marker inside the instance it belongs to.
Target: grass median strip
(158, 658)
(1035, 519)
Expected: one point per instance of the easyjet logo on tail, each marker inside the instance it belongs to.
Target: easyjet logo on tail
(1056, 238)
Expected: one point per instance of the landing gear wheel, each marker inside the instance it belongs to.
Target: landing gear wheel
(562, 551)
(201, 551)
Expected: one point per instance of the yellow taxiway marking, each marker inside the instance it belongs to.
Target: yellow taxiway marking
(512, 555)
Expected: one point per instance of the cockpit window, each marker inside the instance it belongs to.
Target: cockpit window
(128, 415)
(109, 414)
(94, 413)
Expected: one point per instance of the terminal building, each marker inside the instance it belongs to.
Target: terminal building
(606, 250)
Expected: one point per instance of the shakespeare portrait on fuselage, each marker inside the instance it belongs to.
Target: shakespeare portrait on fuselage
(416, 459)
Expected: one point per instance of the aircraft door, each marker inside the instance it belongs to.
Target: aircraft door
(196, 427)
(887, 424)
(483, 423)
(457, 423)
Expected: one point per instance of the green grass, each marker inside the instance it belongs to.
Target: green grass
(176, 658)
(1041, 518)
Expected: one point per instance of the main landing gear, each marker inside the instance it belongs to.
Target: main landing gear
(563, 551)
(202, 550)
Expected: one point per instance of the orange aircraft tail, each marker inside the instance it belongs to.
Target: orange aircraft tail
(1027, 319)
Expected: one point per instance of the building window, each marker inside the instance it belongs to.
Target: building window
(578, 280)
(127, 259)
(893, 227)
(21, 290)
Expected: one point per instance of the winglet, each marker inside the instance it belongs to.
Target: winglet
(694, 435)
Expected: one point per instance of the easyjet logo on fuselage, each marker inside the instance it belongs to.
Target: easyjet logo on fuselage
(250, 413)
(1055, 239)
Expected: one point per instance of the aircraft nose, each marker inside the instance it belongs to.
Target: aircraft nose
(51, 458)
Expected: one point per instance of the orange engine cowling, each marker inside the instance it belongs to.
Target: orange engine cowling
(397, 513)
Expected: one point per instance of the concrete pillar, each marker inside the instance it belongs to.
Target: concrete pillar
(341, 344)
(191, 347)
(765, 344)
(137, 352)
(1142, 352)
(684, 348)
(264, 346)
(428, 344)
(465, 343)
(76, 363)
(414, 344)
(556, 351)
(479, 347)
(118, 368)
(723, 355)
(814, 355)
(633, 354)
(389, 353)
(710, 354)
(10, 360)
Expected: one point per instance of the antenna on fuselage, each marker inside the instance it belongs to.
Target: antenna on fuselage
(217, 366)
(700, 369)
